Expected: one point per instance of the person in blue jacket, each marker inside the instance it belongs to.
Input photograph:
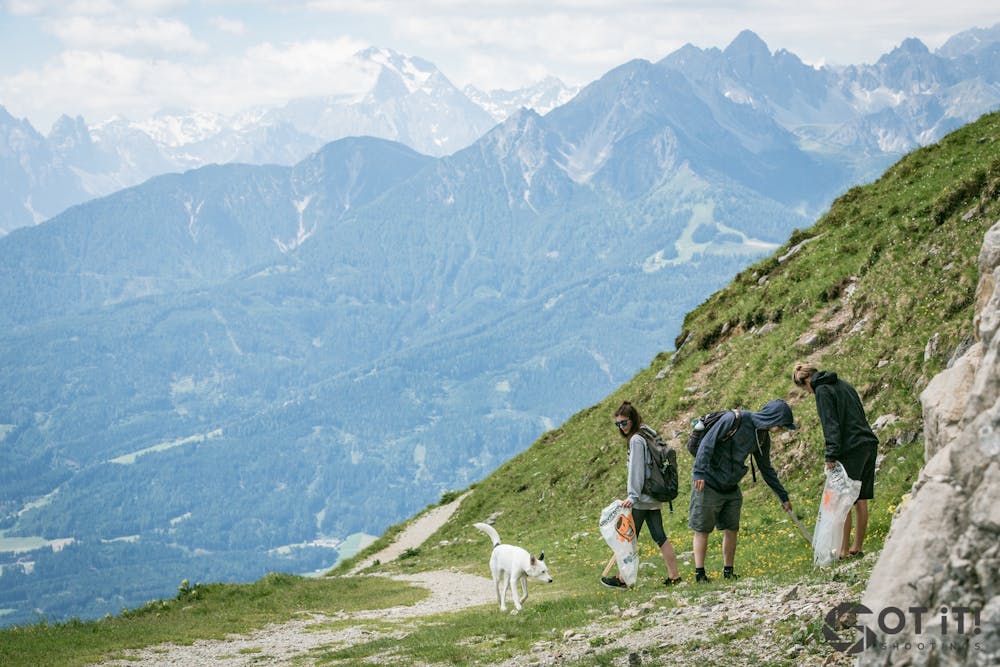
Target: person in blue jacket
(849, 439)
(716, 499)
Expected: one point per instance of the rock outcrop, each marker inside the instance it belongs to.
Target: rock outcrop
(934, 595)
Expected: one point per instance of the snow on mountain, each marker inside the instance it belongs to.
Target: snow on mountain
(909, 97)
(415, 73)
(540, 97)
(178, 128)
(407, 100)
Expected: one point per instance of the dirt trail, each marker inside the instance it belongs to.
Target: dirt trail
(289, 643)
(414, 535)
(690, 630)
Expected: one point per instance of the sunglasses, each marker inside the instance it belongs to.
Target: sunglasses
(622, 423)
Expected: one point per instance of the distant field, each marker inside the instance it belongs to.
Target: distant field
(20, 544)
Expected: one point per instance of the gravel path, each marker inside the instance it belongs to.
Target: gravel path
(732, 627)
(288, 643)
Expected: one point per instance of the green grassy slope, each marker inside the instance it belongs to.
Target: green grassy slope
(880, 290)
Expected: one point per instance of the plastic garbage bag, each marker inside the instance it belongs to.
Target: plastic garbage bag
(618, 530)
(839, 495)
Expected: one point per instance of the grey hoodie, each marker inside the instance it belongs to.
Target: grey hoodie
(639, 463)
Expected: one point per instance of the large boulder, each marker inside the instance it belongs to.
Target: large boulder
(934, 594)
(945, 400)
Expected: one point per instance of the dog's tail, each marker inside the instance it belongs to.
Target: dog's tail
(489, 530)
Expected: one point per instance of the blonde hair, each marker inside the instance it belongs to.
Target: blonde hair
(802, 373)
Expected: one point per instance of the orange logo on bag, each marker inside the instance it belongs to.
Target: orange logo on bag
(625, 528)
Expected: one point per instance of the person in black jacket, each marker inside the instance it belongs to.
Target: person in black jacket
(716, 499)
(849, 439)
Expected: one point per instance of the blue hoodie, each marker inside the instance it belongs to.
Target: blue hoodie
(720, 464)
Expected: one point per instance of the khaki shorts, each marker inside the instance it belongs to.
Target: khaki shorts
(711, 509)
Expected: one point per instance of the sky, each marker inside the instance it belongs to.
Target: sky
(131, 58)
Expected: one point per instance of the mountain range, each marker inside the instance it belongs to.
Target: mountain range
(240, 369)
(405, 99)
(910, 97)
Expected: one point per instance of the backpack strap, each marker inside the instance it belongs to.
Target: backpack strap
(737, 422)
(753, 471)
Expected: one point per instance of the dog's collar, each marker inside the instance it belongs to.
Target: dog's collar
(496, 545)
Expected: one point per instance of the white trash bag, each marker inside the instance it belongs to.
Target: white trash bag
(618, 530)
(839, 495)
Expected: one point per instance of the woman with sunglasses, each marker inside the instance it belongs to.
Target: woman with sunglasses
(645, 510)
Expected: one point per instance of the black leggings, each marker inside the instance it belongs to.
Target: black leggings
(653, 519)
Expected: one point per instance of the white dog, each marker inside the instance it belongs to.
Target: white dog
(511, 566)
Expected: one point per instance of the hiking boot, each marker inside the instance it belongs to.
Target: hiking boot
(702, 578)
(672, 582)
(613, 582)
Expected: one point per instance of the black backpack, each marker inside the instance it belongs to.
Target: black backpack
(702, 424)
(661, 480)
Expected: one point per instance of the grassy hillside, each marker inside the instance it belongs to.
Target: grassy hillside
(880, 290)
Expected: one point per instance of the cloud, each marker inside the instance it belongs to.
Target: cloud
(512, 43)
(101, 84)
(304, 68)
(23, 7)
(144, 33)
(156, 59)
(579, 40)
(91, 7)
(233, 27)
(588, 44)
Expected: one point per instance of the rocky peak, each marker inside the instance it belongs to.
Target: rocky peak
(970, 42)
(70, 136)
(389, 85)
(913, 46)
(913, 69)
(747, 43)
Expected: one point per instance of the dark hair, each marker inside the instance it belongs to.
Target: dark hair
(628, 411)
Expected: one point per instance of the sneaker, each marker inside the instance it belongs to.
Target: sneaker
(672, 582)
(613, 582)
(730, 575)
(701, 578)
